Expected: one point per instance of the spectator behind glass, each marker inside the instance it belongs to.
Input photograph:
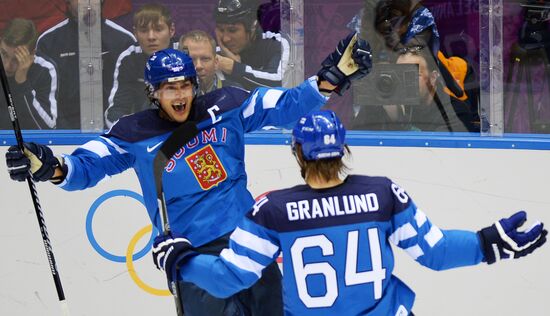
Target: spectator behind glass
(32, 79)
(438, 111)
(248, 56)
(407, 23)
(154, 29)
(394, 26)
(201, 47)
(60, 44)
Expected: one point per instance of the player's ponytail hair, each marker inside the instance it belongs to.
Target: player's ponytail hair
(323, 169)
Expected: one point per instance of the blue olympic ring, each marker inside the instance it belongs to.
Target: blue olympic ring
(90, 234)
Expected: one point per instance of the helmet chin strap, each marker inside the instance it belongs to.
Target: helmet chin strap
(156, 102)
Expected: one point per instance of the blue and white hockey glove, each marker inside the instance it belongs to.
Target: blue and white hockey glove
(38, 159)
(352, 60)
(502, 240)
(169, 252)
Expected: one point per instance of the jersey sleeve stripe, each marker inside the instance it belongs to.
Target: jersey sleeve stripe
(49, 118)
(402, 233)
(281, 67)
(120, 29)
(115, 146)
(97, 148)
(249, 110)
(271, 98)
(420, 218)
(414, 251)
(242, 262)
(433, 236)
(253, 242)
(263, 75)
(70, 167)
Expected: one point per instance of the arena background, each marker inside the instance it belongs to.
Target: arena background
(460, 181)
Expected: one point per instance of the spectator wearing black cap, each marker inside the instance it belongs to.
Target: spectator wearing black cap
(248, 55)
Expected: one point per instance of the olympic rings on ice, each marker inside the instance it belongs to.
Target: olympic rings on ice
(130, 256)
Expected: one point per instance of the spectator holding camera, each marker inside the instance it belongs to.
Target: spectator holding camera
(437, 111)
(405, 32)
(407, 23)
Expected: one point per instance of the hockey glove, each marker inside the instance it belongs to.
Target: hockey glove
(38, 159)
(169, 252)
(502, 240)
(352, 60)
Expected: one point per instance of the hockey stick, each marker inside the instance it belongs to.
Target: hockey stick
(34, 194)
(181, 136)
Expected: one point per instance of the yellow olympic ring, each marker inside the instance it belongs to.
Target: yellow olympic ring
(130, 264)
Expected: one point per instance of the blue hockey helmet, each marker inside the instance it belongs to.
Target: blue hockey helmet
(169, 65)
(321, 135)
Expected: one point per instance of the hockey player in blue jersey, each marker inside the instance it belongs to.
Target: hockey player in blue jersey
(205, 182)
(335, 237)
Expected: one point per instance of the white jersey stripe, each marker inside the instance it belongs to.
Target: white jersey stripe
(115, 146)
(249, 110)
(53, 28)
(133, 49)
(271, 98)
(433, 236)
(420, 218)
(402, 233)
(97, 147)
(415, 251)
(49, 118)
(242, 262)
(253, 242)
(119, 28)
(285, 51)
(69, 164)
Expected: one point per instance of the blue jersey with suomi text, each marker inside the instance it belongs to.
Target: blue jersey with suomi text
(336, 248)
(205, 181)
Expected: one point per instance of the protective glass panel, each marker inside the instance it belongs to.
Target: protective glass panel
(526, 48)
(87, 68)
(425, 74)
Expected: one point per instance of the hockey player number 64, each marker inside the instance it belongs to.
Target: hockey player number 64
(329, 139)
(352, 277)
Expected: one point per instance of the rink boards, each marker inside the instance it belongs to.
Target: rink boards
(101, 237)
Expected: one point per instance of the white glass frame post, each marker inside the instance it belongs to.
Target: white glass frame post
(90, 66)
(491, 67)
(292, 28)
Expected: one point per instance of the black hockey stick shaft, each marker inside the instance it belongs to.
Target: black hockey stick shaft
(179, 137)
(32, 188)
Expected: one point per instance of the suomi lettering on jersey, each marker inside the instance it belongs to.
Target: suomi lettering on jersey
(332, 206)
(213, 135)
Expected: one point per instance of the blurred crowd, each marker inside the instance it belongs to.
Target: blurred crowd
(244, 46)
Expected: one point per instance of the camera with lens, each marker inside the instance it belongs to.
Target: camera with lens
(388, 84)
(534, 31)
